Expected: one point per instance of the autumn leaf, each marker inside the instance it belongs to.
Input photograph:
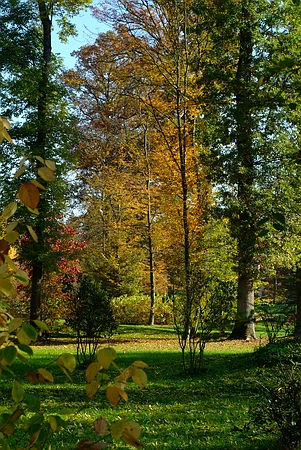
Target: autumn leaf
(106, 356)
(46, 174)
(29, 195)
(92, 371)
(9, 210)
(101, 426)
(113, 395)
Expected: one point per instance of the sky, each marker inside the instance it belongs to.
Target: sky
(88, 29)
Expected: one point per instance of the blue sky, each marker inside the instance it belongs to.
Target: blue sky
(87, 27)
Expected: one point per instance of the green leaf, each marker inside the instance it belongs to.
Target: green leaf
(17, 392)
(14, 324)
(32, 402)
(4, 444)
(10, 354)
(278, 226)
(25, 348)
(67, 360)
(30, 331)
(41, 325)
(279, 217)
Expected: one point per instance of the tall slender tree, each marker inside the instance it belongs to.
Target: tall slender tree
(33, 95)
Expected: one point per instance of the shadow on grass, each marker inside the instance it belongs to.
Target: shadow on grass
(207, 411)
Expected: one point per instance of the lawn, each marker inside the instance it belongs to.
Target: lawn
(176, 411)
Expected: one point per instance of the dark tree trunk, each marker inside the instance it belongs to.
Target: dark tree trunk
(298, 302)
(37, 266)
(35, 298)
(243, 221)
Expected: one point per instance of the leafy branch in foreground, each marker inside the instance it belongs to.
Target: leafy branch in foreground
(28, 195)
(37, 426)
(16, 338)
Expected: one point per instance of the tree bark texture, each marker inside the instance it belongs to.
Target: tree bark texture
(243, 222)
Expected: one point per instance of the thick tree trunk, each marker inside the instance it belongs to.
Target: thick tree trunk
(243, 220)
(244, 324)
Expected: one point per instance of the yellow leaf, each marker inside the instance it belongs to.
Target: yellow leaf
(46, 375)
(38, 185)
(140, 364)
(11, 226)
(92, 371)
(91, 389)
(120, 388)
(10, 263)
(20, 171)
(29, 195)
(131, 434)
(113, 395)
(52, 422)
(12, 237)
(39, 158)
(46, 174)
(105, 356)
(67, 360)
(6, 286)
(9, 210)
(32, 233)
(50, 164)
(131, 440)
(140, 377)
(117, 428)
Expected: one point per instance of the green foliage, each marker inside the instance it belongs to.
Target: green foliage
(134, 310)
(281, 405)
(278, 320)
(211, 307)
(90, 316)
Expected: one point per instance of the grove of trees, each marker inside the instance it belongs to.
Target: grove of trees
(173, 148)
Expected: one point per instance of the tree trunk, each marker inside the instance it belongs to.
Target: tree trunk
(151, 320)
(37, 266)
(243, 221)
(244, 324)
(298, 302)
(35, 298)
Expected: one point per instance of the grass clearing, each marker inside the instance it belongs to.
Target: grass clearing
(176, 411)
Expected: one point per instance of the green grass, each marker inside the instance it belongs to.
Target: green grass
(176, 411)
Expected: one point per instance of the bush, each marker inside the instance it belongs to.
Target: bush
(135, 310)
(91, 317)
(283, 351)
(280, 405)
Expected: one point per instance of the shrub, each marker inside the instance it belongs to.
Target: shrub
(91, 317)
(280, 405)
(134, 310)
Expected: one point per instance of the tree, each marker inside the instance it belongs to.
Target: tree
(166, 88)
(32, 93)
(249, 87)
